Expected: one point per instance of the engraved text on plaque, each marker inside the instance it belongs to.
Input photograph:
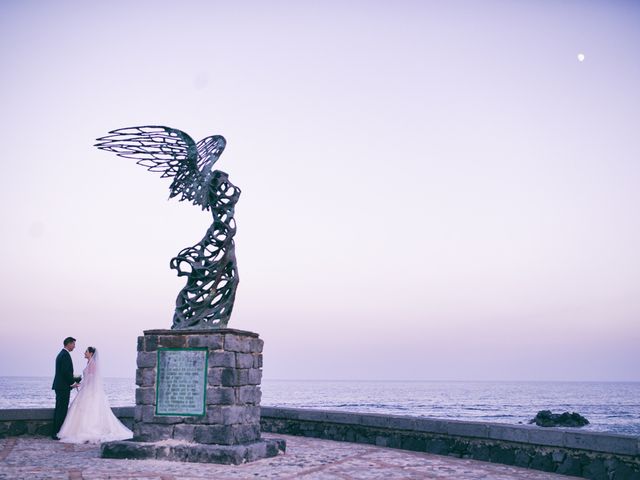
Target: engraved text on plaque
(182, 381)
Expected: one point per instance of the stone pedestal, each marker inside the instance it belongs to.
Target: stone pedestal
(220, 390)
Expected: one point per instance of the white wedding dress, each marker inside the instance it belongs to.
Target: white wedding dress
(90, 418)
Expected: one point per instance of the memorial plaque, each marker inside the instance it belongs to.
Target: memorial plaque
(182, 381)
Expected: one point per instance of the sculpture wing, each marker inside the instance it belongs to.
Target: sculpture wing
(210, 149)
(161, 149)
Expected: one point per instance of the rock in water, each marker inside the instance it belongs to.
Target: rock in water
(545, 418)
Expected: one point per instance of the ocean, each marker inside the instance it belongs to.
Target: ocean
(609, 406)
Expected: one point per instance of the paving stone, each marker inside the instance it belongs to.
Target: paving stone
(40, 458)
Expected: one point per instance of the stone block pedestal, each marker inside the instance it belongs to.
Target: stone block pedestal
(198, 398)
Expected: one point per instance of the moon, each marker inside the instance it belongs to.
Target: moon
(581, 57)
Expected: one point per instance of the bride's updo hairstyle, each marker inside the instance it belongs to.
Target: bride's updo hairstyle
(91, 350)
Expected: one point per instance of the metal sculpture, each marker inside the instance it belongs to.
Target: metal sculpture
(207, 299)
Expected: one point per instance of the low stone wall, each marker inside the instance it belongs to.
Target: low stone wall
(567, 451)
(39, 421)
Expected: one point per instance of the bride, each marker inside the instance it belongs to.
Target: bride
(90, 418)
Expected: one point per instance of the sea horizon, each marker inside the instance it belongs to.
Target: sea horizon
(610, 406)
(379, 380)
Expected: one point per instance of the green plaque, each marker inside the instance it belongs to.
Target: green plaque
(182, 381)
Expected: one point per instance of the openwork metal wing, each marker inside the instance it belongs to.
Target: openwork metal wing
(160, 149)
(210, 265)
(210, 149)
(165, 150)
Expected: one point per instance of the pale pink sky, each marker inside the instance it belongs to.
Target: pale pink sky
(431, 190)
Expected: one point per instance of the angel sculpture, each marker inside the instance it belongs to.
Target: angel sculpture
(206, 301)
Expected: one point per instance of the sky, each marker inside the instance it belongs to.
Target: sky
(430, 190)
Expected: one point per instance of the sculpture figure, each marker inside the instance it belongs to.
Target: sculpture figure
(207, 299)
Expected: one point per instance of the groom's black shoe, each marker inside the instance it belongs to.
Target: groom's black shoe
(54, 437)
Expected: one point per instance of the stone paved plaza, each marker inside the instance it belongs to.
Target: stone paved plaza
(306, 458)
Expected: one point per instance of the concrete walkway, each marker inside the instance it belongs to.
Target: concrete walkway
(306, 459)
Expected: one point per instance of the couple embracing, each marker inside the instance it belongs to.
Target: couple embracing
(89, 418)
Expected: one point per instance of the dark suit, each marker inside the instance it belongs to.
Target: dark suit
(62, 385)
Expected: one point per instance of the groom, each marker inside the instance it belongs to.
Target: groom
(63, 382)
